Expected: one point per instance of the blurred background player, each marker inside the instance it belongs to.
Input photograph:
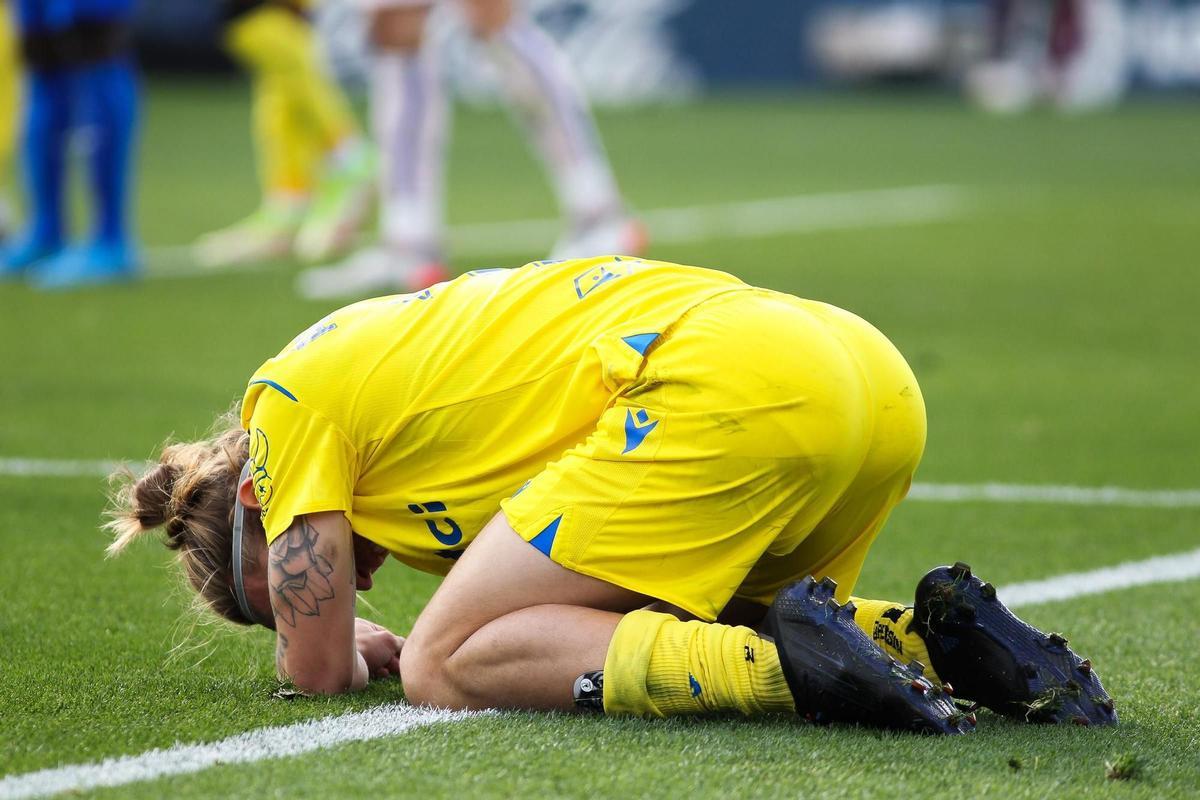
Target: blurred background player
(317, 169)
(9, 105)
(80, 76)
(409, 110)
(1069, 52)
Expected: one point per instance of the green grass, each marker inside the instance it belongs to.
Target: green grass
(1052, 327)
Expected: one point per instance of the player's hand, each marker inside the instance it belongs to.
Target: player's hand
(379, 647)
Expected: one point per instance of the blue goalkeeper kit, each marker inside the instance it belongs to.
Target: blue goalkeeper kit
(80, 76)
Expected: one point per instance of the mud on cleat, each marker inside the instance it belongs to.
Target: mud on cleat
(996, 659)
(837, 674)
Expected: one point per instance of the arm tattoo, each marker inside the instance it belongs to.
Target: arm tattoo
(300, 579)
(281, 646)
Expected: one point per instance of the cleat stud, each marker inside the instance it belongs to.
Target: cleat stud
(1085, 666)
(829, 583)
(971, 718)
(850, 608)
(917, 667)
(1108, 705)
(1030, 670)
(968, 612)
(1056, 639)
(919, 685)
(987, 591)
(961, 570)
(947, 688)
(832, 605)
(1081, 720)
(1073, 687)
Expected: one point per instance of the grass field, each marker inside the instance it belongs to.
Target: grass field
(1049, 314)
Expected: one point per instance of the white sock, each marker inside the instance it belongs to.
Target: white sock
(553, 110)
(409, 116)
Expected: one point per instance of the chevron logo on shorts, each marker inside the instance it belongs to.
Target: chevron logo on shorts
(637, 428)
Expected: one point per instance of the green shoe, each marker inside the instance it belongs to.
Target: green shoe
(341, 207)
(265, 235)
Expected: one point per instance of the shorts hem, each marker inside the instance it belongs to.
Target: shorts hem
(529, 532)
(638, 587)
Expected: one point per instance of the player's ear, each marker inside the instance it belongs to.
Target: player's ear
(246, 494)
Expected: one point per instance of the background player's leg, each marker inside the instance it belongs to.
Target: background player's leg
(10, 83)
(43, 147)
(510, 628)
(551, 107)
(308, 142)
(286, 155)
(409, 115)
(112, 110)
(346, 164)
(286, 148)
(104, 91)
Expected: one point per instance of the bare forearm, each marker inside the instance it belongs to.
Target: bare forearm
(310, 568)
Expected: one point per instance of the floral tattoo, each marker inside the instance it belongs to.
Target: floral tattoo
(300, 578)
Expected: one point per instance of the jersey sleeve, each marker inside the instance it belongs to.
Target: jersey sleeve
(302, 463)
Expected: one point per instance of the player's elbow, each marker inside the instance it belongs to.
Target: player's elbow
(324, 684)
(323, 678)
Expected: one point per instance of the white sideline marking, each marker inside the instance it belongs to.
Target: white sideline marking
(1160, 569)
(921, 492)
(256, 745)
(804, 213)
(303, 737)
(1063, 495)
(59, 468)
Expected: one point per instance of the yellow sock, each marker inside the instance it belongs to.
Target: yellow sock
(888, 626)
(658, 666)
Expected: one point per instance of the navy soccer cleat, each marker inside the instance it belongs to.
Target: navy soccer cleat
(837, 674)
(993, 658)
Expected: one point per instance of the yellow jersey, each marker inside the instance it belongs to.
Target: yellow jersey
(417, 414)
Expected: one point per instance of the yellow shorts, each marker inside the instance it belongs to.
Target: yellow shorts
(765, 438)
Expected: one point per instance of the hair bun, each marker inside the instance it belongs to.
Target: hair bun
(153, 497)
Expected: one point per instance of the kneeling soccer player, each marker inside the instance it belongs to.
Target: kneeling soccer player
(614, 439)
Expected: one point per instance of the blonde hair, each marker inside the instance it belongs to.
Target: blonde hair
(190, 494)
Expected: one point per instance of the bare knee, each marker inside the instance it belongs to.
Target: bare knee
(421, 675)
(430, 677)
(400, 28)
(487, 17)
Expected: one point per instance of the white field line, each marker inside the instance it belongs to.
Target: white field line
(922, 492)
(1061, 495)
(60, 468)
(805, 213)
(1160, 569)
(244, 748)
(291, 740)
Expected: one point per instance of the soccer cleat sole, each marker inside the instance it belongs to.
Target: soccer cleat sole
(837, 674)
(996, 659)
